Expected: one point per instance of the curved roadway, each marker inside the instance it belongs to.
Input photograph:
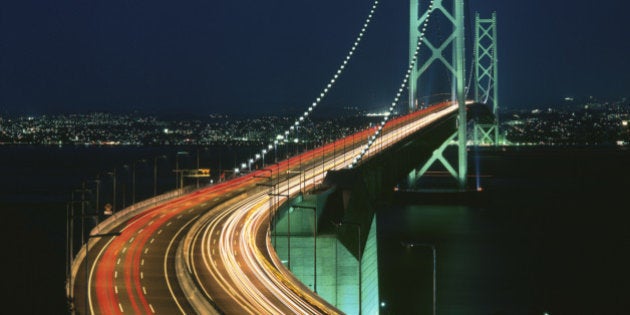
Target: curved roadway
(223, 233)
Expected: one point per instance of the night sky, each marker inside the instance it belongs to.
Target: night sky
(251, 56)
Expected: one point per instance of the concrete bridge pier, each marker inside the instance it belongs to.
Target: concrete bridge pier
(321, 261)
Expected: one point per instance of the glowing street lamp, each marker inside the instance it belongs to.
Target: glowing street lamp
(264, 152)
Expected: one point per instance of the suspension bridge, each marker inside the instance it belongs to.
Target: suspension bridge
(297, 236)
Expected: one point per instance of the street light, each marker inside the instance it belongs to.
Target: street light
(87, 273)
(70, 233)
(264, 152)
(97, 181)
(133, 180)
(360, 256)
(124, 187)
(434, 251)
(177, 173)
(82, 190)
(113, 175)
(314, 243)
(155, 172)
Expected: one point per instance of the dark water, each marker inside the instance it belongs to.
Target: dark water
(550, 232)
(36, 185)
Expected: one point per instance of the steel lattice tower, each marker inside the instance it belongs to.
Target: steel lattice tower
(486, 77)
(455, 66)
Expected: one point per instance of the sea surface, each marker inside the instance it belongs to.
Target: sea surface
(37, 183)
(549, 232)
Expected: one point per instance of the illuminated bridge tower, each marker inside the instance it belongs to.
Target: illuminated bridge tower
(454, 62)
(486, 78)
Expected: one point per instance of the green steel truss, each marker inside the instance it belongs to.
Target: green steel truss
(486, 76)
(456, 66)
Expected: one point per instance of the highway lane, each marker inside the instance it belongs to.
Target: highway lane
(134, 272)
(232, 256)
(232, 259)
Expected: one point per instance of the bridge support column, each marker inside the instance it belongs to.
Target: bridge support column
(438, 156)
(456, 66)
(331, 269)
(486, 76)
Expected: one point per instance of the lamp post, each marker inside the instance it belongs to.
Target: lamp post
(68, 242)
(70, 234)
(314, 243)
(197, 166)
(97, 181)
(133, 180)
(434, 252)
(83, 201)
(179, 181)
(113, 175)
(87, 272)
(124, 186)
(155, 159)
(358, 226)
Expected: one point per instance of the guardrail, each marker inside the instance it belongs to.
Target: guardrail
(108, 224)
(193, 295)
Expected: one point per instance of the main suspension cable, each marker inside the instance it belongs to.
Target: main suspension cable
(412, 64)
(318, 99)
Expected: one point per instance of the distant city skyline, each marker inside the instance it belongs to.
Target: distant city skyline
(576, 123)
(207, 57)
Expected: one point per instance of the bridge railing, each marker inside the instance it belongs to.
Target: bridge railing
(110, 223)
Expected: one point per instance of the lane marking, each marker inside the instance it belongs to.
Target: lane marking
(142, 262)
(120, 306)
(116, 274)
(152, 310)
(141, 275)
(144, 289)
(160, 231)
(118, 262)
(152, 240)
(116, 289)
(146, 250)
(166, 276)
(131, 239)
